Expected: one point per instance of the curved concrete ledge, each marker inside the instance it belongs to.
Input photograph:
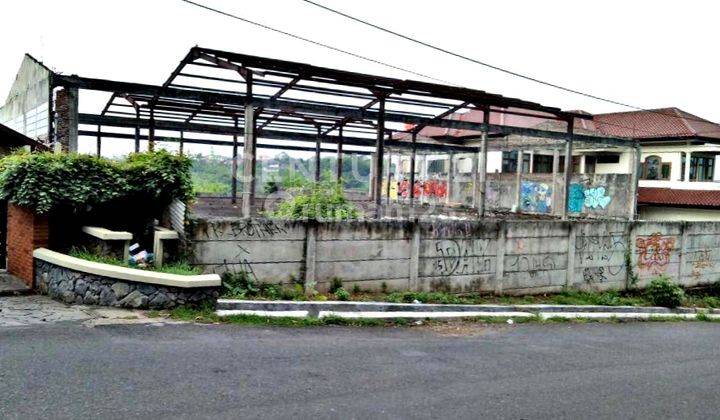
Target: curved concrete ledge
(124, 273)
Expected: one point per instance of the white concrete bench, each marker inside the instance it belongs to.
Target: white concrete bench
(162, 234)
(108, 235)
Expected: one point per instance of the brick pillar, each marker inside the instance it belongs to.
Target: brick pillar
(26, 231)
(66, 109)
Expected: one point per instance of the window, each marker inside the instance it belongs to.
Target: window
(702, 168)
(609, 158)
(651, 168)
(590, 162)
(575, 164)
(436, 166)
(542, 164)
(682, 165)
(509, 162)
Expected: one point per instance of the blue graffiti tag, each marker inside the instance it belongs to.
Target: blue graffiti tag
(595, 198)
(576, 198)
(535, 197)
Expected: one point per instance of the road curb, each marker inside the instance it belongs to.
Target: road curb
(320, 309)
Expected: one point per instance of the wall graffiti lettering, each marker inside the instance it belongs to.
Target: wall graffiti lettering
(576, 198)
(593, 250)
(432, 188)
(535, 197)
(594, 198)
(532, 263)
(462, 257)
(594, 275)
(654, 252)
(699, 260)
(246, 228)
(494, 194)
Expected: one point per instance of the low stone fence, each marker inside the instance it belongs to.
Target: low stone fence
(490, 256)
(74, 280)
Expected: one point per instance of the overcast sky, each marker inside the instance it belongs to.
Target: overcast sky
(647, 53)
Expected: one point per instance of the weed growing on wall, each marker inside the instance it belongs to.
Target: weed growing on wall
(47, 181)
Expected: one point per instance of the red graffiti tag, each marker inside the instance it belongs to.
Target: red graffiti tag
(654, 252)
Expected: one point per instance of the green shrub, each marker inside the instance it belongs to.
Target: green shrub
(320, 201)
(342, 294)
(51, 181)
(239, 285)
(335, 284)
(158, 176)
(664, 292)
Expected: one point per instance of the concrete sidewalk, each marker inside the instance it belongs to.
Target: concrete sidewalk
(380, 310)
(12, 286)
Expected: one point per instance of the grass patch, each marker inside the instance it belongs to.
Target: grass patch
(206, 315)
(182, 268)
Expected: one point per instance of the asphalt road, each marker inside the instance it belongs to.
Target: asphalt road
(641, 370)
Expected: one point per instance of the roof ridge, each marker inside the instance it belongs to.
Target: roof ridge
(684, 121)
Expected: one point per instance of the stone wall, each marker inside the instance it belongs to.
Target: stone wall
(72, 286)
(498, 256)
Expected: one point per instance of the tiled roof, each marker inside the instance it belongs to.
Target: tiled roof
(656, 123)
(663, 122)
(675, 197)
(496, 118)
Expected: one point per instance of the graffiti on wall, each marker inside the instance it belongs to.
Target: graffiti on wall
(596, 252)
(462, 257)
(594, 275)
(654, 252)
(431, 188)
(535, 197)
(532, 263)
(699, 260)
(494, 194)
(593, 198)
(249, 228)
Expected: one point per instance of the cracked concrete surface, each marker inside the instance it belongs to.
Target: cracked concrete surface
(18, 311)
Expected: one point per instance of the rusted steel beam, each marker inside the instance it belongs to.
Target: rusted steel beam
(326, 109)
(450, 111)
(190, 140)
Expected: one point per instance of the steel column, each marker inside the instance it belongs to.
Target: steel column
(233, 186)
(568, 169)
(379, 152)
(317, 153)
(413, 154)
(482, 174)
(518, 180)
(249, 159)
(340, 155)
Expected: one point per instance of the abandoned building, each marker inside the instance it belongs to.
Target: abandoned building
(441, 140)
(542, 199)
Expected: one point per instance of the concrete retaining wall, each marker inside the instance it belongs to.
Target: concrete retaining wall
(461, 256)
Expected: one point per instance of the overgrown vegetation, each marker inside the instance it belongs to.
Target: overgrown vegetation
(664, 292)
(241, 285)
(318, 201)
(238, 286)
(180, 267)
(51, 181)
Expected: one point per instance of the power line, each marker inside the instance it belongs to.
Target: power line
(372, 60)
(491, 66)
(352, 54)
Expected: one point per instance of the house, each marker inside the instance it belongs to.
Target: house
(679, 178)
(679, 175)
